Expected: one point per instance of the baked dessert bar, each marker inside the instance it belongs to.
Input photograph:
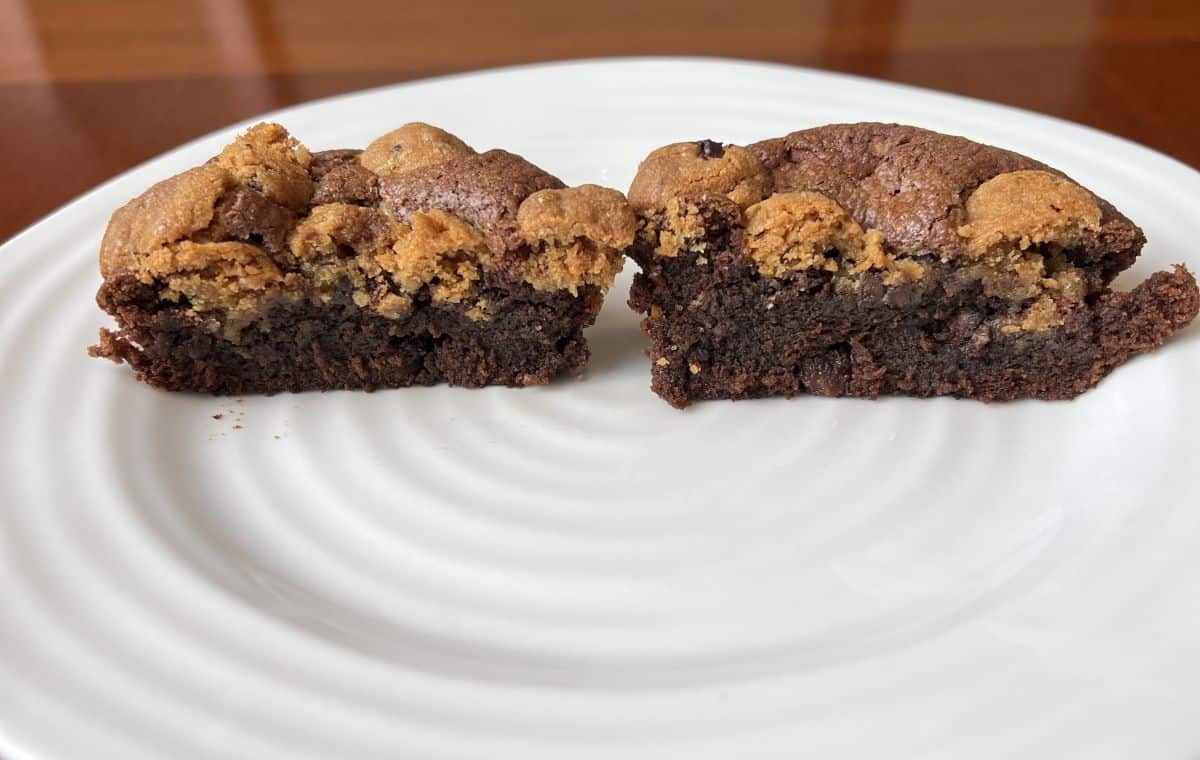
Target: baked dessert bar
(416, 261)
(870, 259)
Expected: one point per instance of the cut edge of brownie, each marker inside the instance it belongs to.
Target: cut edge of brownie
(866, 260)
(416, 261)
(300, 344)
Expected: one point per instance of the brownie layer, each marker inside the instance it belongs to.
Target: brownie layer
(735, 338)
(300, 344)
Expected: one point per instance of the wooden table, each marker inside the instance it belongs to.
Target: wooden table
(89, 88)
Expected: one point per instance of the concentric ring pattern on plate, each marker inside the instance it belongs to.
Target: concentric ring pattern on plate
(578, 570)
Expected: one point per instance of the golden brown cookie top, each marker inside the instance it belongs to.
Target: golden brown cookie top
(412, 146)
(692, 168)
(343, 229)
(271, 161)
(578, 236)
(438, 219)
(793, 232)
(910, 184)
(439, 251)
(169, 211)
(1026, 208)
(587, 211)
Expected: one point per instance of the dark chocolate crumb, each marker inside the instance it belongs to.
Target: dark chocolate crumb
(711, 148)
(356, 348)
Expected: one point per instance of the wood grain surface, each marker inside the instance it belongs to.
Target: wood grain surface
(89, 88)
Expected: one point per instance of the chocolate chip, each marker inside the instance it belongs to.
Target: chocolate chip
(397, 148)
(826, 373)
(245, 214)
(325, 161)
(711, 148)
(350, 182)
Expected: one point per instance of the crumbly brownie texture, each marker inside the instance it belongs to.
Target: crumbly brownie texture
(869, 259)
(413, 262)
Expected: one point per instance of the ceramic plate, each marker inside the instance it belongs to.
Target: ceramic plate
(580, 571)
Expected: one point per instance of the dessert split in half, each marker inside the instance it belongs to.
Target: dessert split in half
(415, 261)
(869, 259)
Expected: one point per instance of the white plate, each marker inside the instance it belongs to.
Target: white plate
(580, 571)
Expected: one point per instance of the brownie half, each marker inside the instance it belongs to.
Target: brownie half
(413, 262)
(871, 259)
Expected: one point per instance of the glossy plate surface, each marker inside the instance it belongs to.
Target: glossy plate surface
(579, 571)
